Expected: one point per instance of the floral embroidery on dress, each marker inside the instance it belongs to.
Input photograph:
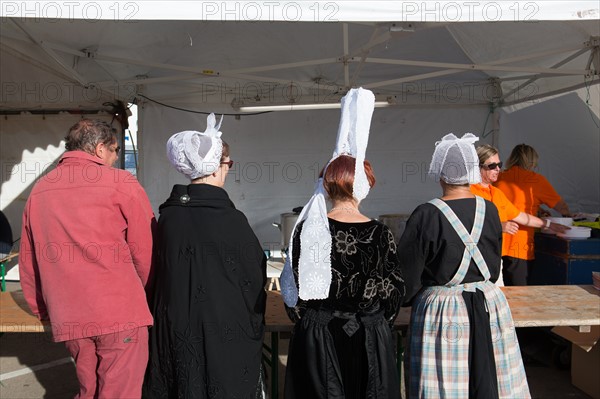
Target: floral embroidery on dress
(391, 242)
(386, 288)
(365, 270)
(370, 289)
(345, 243)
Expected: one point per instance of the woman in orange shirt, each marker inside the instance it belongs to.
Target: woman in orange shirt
(527, 190)
(511, 217)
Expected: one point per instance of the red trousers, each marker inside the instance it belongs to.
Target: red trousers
(111, 366)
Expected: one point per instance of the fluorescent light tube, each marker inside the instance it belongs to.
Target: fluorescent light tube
(300, 107)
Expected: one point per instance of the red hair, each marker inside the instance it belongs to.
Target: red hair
(339, 177)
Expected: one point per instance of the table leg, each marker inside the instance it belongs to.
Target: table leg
(274, 365)
(3, 275)
(399, 352)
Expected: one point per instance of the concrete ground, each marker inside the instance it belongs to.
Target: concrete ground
(32, 366)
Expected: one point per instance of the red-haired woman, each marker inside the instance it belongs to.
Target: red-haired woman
(342, 346)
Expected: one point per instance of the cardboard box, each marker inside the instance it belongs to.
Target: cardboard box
(585, 358)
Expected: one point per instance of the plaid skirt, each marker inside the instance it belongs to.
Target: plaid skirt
(437, 358)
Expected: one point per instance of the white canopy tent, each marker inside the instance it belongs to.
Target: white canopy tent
(509, 72)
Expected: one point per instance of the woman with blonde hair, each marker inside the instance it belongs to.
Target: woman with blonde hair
(527, 190)
(511, 217)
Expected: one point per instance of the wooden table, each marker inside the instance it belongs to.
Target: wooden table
(554, 305)
(531, 306)
(15, 315)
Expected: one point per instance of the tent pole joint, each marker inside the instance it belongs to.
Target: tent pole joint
(593, 42)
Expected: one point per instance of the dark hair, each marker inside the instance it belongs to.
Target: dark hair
(225, 152)
(86, 134)
(339, 177)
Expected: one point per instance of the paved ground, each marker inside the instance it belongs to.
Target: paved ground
(32, 366)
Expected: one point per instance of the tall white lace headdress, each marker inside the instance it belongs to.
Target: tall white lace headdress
(314, 263)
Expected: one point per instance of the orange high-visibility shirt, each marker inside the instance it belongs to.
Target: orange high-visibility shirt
(527, 190)
(506, 209)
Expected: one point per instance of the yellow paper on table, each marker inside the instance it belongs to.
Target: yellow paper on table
(593, 225)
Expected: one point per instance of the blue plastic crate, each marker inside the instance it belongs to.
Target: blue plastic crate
(552, 244)
(557, 270)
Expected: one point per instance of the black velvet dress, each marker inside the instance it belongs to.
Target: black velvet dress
(208, 301)
(342, 347)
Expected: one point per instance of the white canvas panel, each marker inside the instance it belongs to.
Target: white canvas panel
(279, 155)
(565, 131)
(30, 146)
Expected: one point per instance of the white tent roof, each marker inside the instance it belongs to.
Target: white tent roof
(218, 66)
(306, 11)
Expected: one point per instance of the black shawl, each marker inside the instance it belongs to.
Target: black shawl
(208, 299)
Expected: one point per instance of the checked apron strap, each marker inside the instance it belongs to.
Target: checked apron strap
(469, 239)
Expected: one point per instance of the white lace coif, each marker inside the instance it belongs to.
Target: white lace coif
(455, 160)
(197, 154)
(353, 135)
(314, 263)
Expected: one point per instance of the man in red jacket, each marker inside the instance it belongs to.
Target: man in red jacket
(85, 259)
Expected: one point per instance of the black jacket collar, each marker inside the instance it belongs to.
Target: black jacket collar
(204, 195)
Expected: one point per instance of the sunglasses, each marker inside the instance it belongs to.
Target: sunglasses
(117, 149)
(491, 166)
(228, 163)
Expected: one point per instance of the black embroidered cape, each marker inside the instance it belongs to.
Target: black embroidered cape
(208, 301)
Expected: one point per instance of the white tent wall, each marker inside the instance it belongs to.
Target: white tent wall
(30, 145)
(278, 157)
(565, 131)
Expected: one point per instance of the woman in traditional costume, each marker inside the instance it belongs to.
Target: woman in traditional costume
(209, 298)
(341, 283)
(462, 341)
